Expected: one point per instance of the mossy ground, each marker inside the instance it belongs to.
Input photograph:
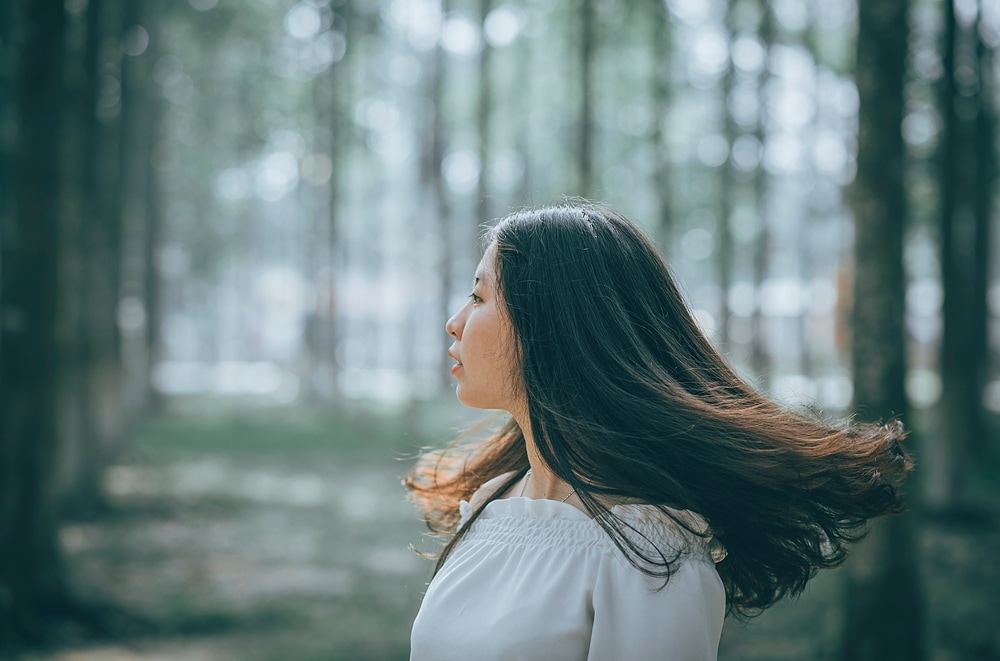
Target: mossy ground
(256, 532)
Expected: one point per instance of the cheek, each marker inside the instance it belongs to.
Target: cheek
(505, 358)
(493, 347)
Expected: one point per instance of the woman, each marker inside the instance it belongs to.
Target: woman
(639, 490)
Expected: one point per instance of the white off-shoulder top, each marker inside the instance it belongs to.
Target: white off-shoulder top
(541, 580)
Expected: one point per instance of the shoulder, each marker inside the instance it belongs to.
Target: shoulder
(655, 529)
(482, 496)
(489, 489)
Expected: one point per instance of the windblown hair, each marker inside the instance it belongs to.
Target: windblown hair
(628, 400)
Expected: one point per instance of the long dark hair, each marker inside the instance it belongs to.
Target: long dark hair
(628, 400)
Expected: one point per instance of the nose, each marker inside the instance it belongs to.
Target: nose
(454, 325)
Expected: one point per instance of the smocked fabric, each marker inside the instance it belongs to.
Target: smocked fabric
(539, 579)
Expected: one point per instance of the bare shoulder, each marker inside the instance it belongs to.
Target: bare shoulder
(488, 489)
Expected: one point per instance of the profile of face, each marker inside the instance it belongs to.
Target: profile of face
(486, 367)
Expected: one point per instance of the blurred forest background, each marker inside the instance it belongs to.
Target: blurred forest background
(231, 232)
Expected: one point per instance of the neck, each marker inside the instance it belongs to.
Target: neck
(542, 482)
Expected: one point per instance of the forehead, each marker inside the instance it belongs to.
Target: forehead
(485, 270)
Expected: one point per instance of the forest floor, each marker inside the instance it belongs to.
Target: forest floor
(284, 534)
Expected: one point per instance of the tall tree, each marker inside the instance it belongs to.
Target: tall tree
(883, 602)
(662, 49)
(432, 182)
(727, 184)
(585, 137)
(965, 174)
(8, 56)
(139, 286)
(762, 187)
(31, 571)
(484, 119)
(336, 108)
(11, 38)
(141, 100)
(988, 161)
(91, 393)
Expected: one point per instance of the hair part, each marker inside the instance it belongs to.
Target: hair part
(628, 399)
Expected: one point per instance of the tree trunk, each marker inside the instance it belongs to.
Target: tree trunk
(985, 208)
(586, 129)
(326, 336)
(432, 181)
(760, 359)
(484, 119)
(964, 229)
(138, 292)
(149, 122)
(883, 601)
(662, 44)
(727, 183)
(31, 573)
(77, 99)
(9, 17)
(93, 394)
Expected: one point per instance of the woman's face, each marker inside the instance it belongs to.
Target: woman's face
(486, 367)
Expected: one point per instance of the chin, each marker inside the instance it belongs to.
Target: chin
(472, 401)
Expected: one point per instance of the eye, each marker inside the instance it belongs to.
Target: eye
(475, 299)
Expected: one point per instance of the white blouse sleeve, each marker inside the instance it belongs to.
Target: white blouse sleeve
(681, 622)
(482, 494)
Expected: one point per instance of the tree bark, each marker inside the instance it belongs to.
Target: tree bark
(964, 162)
(586, 129)
(484, 120)
(727, 183)
(883, 601)
(92, 390)
(760, 358)
(985, 210)
(435, 191)
(138, 206)
(151, 115)
(662, 45)
(9, 18)
(31, 572)
(339, 119)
